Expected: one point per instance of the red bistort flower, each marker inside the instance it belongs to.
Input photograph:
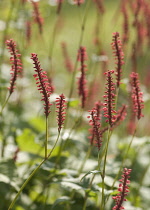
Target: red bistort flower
(37, 17)
(96, 125)
(82, 56)
(109, 98)
(119, 56)
(42, 83)
(61, 106)
(123, 190)
(16, 63)
(137, 95)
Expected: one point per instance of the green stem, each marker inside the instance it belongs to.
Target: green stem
(85, 159)
(46, 139)
(6, 101)
(12, 6)
(25, 183)
(121, 166)
(103, 173)
(80, 42)
(32, 174)
(86, 193)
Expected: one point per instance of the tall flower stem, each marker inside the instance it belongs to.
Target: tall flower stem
(122, 163)
(12, 6)
(32, 174)
(80, 42)
(46, 139)
(25, 183)
(85, 159)
(103, 172)
(6, 101)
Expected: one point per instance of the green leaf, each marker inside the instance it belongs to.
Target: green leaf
(73, 102)
(8, 182)
(90, 172)
(8, 168)
(26, 142)
(63, 199)
(38, 123)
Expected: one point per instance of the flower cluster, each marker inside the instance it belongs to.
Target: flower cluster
(109, 98)
(123, 189)
(61, 106)
(15, 62)
(37, 17)
(137, 95)
(82, 56)
(68, 63)
(119, 55)
(42, 83)
(95, 123)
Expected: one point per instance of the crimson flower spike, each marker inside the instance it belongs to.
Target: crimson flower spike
(68, 63)
(125, 22)
(100, 5)
(95, 130)
(61, 106)
(137, 95)
(109, 98)
(118, 54)
(42, 83)
(16, 63)
(123, 190)
(37, 17)
(82, 91)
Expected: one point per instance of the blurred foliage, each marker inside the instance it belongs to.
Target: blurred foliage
(58, 183)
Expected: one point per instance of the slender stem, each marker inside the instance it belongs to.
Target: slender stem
(85, 159)
(80, 42)
(54, 145)
(6, 101)
(12, 6)
(32, 174)
(103, 173)
(121, 166)
(4, 139)
(25, 183)
(86, 194)
(46, 139)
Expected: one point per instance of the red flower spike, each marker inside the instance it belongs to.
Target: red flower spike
(137, 96)
(37, 17)
(123, 190)
(118, 54)
(28, 31)
(100, 6)
(125, 22)
(120, 116)
(61, 106)
(16, 63)
(68, 63)
(42, 83)
(95, 123)
(109, 99)
(82, 91)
